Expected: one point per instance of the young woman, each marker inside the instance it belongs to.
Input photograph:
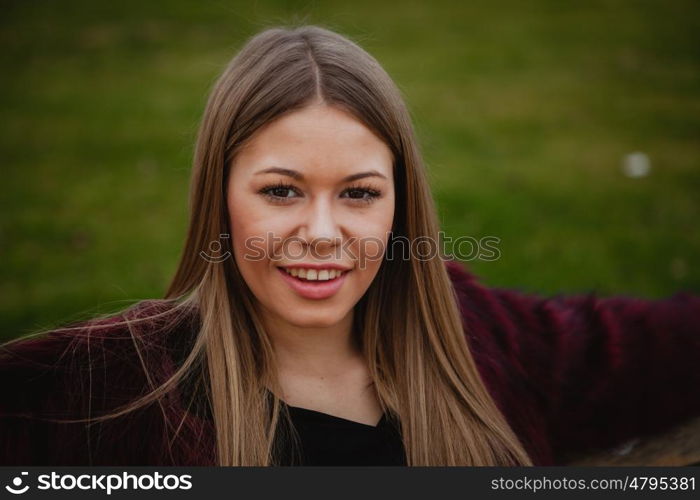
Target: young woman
(291, 335)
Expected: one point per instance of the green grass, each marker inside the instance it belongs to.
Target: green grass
(524, 111)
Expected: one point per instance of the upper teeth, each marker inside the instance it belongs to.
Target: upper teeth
(314, 274)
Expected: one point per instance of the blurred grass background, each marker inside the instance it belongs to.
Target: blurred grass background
(524, 110)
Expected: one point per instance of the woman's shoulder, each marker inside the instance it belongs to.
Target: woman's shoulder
(153, 327)
(481, 307)
(86, 370)
(111, 355)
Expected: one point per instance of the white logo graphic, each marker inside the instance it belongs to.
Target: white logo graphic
(17, 482)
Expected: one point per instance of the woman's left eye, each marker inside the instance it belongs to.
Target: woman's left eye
(363, 194)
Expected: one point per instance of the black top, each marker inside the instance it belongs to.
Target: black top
(329, 440)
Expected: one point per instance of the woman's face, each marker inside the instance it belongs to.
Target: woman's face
(311, 193)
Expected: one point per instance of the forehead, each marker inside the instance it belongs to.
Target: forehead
(318, 141)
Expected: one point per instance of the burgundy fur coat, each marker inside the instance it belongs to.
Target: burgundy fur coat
(570, 373)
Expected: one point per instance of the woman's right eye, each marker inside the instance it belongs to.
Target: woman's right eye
(278, 192)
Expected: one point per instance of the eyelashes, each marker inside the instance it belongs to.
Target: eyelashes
(280, 193)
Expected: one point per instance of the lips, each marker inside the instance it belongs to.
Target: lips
(313, 289)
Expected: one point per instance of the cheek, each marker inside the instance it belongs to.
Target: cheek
(247, 238)
(381, 218)
(369, 247)
(372, 233)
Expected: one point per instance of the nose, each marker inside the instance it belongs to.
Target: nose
(320, 229)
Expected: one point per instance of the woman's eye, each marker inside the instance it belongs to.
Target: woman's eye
(278, 192)
(281, 193)
(366, 195)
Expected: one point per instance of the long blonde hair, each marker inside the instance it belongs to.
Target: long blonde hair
(408, 322)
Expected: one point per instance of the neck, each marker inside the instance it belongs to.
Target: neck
(325, 351)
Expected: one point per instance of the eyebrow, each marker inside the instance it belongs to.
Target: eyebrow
(294, 174)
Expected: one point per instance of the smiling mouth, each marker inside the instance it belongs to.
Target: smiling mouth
(314, 275)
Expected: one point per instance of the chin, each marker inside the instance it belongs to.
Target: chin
(314, 318)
